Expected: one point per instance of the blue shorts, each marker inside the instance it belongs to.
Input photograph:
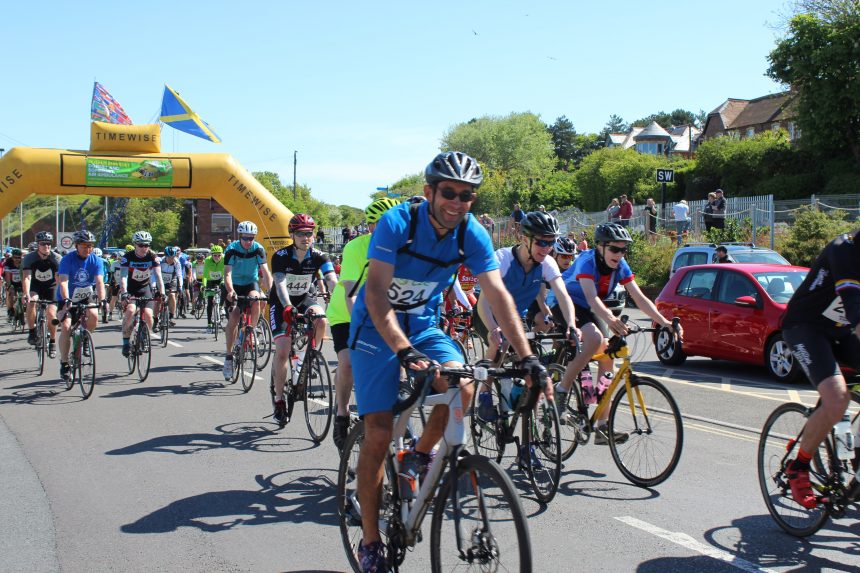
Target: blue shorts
(376, 370)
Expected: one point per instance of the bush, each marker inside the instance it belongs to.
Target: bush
(811, 231)
(649, 262)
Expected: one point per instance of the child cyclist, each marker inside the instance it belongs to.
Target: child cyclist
(590, 281)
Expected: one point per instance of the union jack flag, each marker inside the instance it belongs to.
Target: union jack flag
(105, 108)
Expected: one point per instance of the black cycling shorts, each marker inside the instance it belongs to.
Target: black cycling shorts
(44, 292)
(820, 350)
(276, 313)
(144, 292)
(340, 336)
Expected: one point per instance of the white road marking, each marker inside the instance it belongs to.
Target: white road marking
(725, 384)
(688, 542)
(794, 395)
(706, 386)
(177, 345)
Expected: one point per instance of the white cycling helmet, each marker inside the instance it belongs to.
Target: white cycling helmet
(141, 237)
(247, 228)
(97, 252)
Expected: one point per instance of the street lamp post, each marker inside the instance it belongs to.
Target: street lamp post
(295, 159)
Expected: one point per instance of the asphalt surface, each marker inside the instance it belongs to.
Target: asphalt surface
(185, 472)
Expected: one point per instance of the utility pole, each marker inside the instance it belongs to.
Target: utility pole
(3, 219)
(295, 159)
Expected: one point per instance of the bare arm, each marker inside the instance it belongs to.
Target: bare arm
(350, 300)
(644, 304)
(564, 302)
(100, 287)
(266, 277)
(330, 281)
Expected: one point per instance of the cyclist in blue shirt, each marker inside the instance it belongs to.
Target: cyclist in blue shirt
(414, 253)
(590, 281)
(244, 265)
(80, 278)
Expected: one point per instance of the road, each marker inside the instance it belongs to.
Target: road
(186, 473)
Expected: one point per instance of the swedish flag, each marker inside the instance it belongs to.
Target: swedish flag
(178, 115)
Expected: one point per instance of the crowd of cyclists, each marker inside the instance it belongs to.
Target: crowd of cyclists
(421, 257)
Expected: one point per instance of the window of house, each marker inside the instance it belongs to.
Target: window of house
(750, 131)
(775, 126)
(222, 223)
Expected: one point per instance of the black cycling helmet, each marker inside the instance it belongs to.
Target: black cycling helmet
(43, 236)
(564, 246)
(84, 237)
(610, 232)
(539, 224)
(454, 166)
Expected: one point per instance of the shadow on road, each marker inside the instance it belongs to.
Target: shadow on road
(250, 436)
(282, 498)
(757, 538)
(200, 388)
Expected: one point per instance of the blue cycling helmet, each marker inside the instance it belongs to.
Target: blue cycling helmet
(169, 251)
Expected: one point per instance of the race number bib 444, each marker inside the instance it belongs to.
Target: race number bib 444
(836, 312)
(298, 285)
(139, 275)
(406, 292)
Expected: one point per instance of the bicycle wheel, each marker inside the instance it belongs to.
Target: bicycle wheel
(545, 440)
(655, 432)
(164, 325)
(216, 321)
(73, 361)
(199, 307)
(247, 365)
(42, 347)
(86, 365)
(573, 421)
(487, 435)
(132, 354)
(238, 356)
(318, 395)
(492, 533)
(143, 351)
(263, 337)
(778, 446)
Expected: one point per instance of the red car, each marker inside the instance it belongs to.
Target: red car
(732, 312)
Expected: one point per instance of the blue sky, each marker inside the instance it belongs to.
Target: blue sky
(365, 90)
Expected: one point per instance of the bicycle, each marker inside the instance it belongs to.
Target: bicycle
(475, 495)
(308, 377)
(199, 301)
(164, 317)
(834, 481)
(654, 430)
(263, 333)
(82, 354)
(218, 318)
(18, 318)
(42, 334)
(140, 345)
(539, 452)
(245, 348)
(456, 325)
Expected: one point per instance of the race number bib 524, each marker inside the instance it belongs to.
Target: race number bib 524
(406, 292)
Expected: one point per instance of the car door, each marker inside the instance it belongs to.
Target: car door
(737, 332)
(692, 304)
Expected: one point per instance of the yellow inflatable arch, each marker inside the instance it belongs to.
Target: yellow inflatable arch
(124, 161)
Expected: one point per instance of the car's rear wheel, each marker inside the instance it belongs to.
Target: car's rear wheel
(669, 350)
(779, 361)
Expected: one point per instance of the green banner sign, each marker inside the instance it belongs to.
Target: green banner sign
(123, 173)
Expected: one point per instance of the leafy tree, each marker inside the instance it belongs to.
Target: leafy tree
(563, 137)
(667, 120)
(615, 125)
(159, 216)
(820, 59)
(811, 231)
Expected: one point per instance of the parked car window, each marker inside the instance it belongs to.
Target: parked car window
(762, 256)
(698, 284)
(689, 259)
(734, 286)
(780, 286)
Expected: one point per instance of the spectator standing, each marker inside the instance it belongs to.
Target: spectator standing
(650, 219)
(708, 213)
(517, 216)
(583, 242)
(320, 236)
(613, 211)
(625, 211)
(682, 218)
(344, 233)
(719, 214)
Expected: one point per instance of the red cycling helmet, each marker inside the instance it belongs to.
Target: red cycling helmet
(302, 222)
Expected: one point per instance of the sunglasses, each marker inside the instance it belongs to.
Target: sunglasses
(304, 233)
(246, 238)
(616, 250)
(544, 243)
(142, 245)
(216, 255)
(465, 196)
(46, 244)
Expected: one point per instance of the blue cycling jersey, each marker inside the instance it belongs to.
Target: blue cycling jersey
(524, 287)
(245, 262)
(81, 273)
(585, 266)
(416, 289)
